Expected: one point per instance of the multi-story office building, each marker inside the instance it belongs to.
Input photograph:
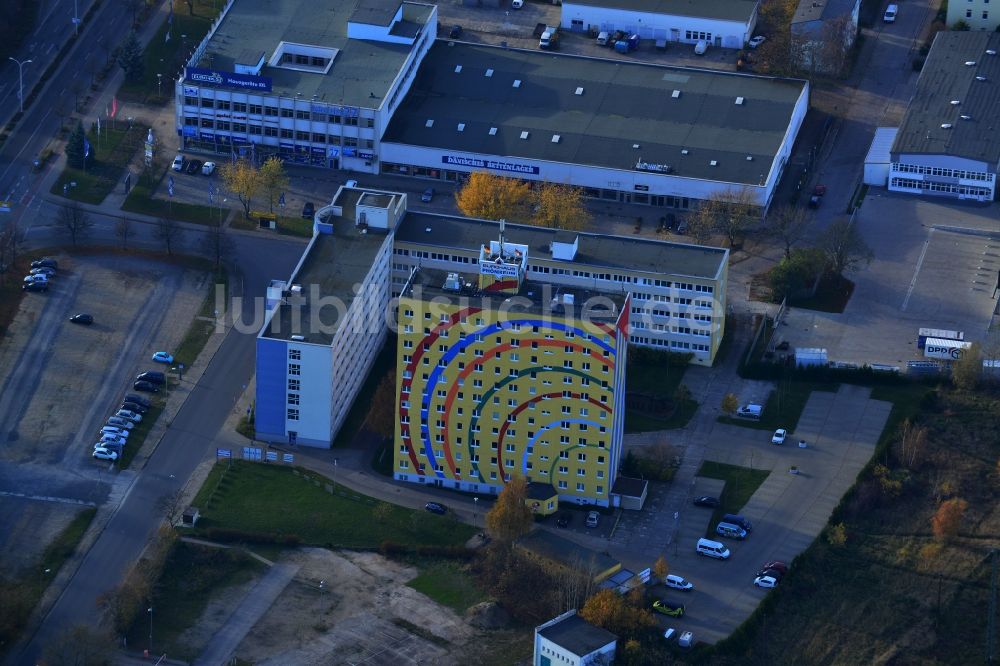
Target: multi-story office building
(500, 374)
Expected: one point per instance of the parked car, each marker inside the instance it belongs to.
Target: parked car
(308, 210)
(707, 500)
(134, 407)
(28, 279)
(178, 164)
(777, 565)
(428, 195)
(434, 507)
(82, 318)
(779, 436)
(773, 573)
(208, 168)
(45, 262)
(665, 607)
(114, 430)
(163, 357)
(138, 399)
(516, 4)
(120, 422)
(134, 417)
(669, 633)
(193, 167)
(686, 640)
(815, 200)
(700, 47)
(682, 227)
(756, 41)
(564, 519)
(35, 286)
(113, 440)
(455, 32)
(44, 270)
(593, 518)
(151, 376)
(819, 190)
(351, 183)
(141, 385)
(765, 581)
(676, 582)
(102, 453)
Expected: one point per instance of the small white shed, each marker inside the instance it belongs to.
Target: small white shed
(877, 160)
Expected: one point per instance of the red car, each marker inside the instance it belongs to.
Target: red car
(776, 565)
(820, 190)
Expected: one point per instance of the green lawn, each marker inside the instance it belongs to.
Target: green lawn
(191, 575)
(741, 484)
(448, 583)
(286, 226)
(254, 497)
(112, 151)
(140, 200)
(200, 330)
(784, 406)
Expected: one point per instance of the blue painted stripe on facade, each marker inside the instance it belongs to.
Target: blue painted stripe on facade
(272, 368)
(545, 428)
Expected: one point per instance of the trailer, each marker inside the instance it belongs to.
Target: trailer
(947, 350)
(939, 333)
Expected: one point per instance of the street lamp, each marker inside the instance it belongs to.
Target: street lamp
(150, 611)
(475, 512)
(20, 79)
(159, 84)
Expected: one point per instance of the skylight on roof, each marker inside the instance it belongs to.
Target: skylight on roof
(517, 83)
(555, 138)
(675, 94)
(579, 90)
(525, 134)
(461, 127)
(739, 100)
(458, 69)
(493, 131)
(489, 73)
(429, 123)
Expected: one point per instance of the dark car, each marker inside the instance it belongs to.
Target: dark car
(308, 211)
(563, 520)
(428, 195)
(35, 286)
(137, 399)
(140, 385)
(820, 190)
(134, 407)
(193, 167)
(815, 200)
(434, 507)
(682, 227)
(668, 608)
(455, 32)
(707, 500)
(82, 318)
(45, 263)
(152, 377)
(776, 565)
(773, 573)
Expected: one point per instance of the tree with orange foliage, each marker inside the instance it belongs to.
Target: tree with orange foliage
(622, 615)
(560, 207)
(948, 519)
(510, 516)
(492, 197)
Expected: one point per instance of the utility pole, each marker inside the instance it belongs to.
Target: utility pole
(991, 618)
(20, 79)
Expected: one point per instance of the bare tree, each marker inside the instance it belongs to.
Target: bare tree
(218, 243)
(911, 447)
(170, 233)
(736, 210)
(11, 242)
(123, 229)
(845, 249)
(836, 38)
(75, 222)
(701, 223)
(789, 224)
(171, 505)
(80, 646)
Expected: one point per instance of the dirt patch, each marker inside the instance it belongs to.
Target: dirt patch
(30, 526)
(363, 614)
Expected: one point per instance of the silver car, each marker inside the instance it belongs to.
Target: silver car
(120, 422)
(134, 417)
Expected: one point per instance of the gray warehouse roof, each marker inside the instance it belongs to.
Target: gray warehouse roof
(815, 10)
(730, 10)
(604, 113)
(622, 252)
(360, 69)
(958, 69)
(577, 636)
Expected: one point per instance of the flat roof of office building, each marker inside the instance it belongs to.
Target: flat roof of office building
(361, 68)
(607, 251)
(729, 10)
(577, 636)
(333, 264)
(489, 100)
(959, 78)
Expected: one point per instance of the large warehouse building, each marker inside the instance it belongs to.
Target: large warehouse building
(949, 142)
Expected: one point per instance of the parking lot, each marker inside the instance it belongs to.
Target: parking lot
(935, 266)
(60, 381)
(788, 511)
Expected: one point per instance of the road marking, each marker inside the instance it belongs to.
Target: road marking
(47, 498)
(916, 272)
(51, 48)
(26, 143)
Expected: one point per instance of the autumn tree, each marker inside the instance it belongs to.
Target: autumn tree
(844, 247)
(788, 224)
(492, 197)
(910, 447)
(75, 222)
(836, 535)
(661, 568)
(968, 369)
(273, 180)
(244, 180)
(730, 403)
(559, 206)
(510, 516)
(735, 211)
(948, 518)
(382, 408)
(620, 614)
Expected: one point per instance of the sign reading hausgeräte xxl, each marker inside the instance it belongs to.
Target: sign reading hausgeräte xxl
(213, 77)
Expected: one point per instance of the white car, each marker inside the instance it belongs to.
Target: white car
(43, 270)
(120, 422)
(700, 47)
(208, 168)
(516, 4)
(765, 581)
(756, 41)
(779, 436)
(677, 583)
(593, 518)
(114, 430)
(129, 414)
(102, 453)
(178, 164)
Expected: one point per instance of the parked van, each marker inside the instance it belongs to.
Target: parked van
(750, 411)
(730, 531)
(710, 548)
(890, 14)
(739, 521)
(602, 38)
(700, 47)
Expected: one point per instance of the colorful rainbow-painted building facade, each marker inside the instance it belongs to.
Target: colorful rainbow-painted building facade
(499, 375)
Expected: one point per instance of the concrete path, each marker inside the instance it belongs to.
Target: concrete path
(246, 615)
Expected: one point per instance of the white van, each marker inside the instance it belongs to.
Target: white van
(750, 411)
(890, 14)
(710, 548)
(700, 47)
(602, 38)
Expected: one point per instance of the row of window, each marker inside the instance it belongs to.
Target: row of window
(951, 188)
(697, 34)
(968, 13)
(671, 344)
(299, 59)
(941, 171)
(511, 448)
(280, 132)
(562, 485)
(267, 111)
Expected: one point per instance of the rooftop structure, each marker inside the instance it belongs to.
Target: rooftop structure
(729, 10)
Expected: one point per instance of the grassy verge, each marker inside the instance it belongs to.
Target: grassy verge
(21, 595)
(112, 151)
(262, 499)
(138, 434)
(783, 408)
(449, 583)
(191, 575)
(140, 200)
(741, 484)
(201, 330)
(385, 363)
(286, 226)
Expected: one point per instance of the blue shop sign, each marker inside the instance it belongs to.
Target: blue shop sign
(493, 165)
(227, 79)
